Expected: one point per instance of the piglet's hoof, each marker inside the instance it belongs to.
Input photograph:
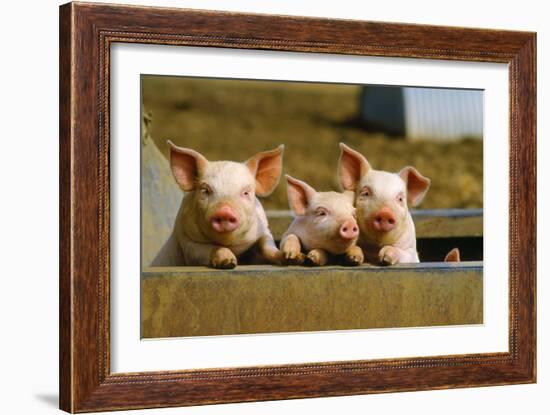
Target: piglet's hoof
(291, 251)
(317, 258)
(354, 256)
(223, 258)
(388, 255)
(293, 257)
(274, 256)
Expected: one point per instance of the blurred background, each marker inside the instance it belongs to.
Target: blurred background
(439, 131)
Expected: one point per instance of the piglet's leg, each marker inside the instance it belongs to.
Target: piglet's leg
(268, 250)
(354, 256)
(390, 255)
(317, 257)
(223, 258)
(291, 249)
(208, 255)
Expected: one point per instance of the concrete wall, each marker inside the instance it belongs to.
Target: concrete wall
(198, 301)
(160, 197)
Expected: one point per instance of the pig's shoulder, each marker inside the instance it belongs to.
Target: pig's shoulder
(260, 213)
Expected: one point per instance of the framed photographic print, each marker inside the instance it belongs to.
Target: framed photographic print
(260, 207)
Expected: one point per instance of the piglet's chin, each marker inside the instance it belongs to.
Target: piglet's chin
(339, 247)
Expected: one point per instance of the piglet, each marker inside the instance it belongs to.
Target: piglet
(220, 218)
(324, 226)
(382, 199)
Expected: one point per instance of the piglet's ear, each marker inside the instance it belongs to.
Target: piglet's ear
(186, 166)
(267, 167)
(351, 167)
(299, 195)
(453, 256)
(417, 185)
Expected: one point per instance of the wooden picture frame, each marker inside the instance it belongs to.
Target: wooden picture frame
(86, 33)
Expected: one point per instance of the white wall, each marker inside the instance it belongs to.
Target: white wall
(29, 229)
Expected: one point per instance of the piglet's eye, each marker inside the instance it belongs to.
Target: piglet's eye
(321, 212)
(205, 191)
(400, 198)
(366, 191)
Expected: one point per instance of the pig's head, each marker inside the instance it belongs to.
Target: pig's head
(328, 218)
(224, 192)
(381, 198)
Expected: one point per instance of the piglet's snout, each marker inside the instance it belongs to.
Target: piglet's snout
(224, 220)
(349, 230)
(383, 220)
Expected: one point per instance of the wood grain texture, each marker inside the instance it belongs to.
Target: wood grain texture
(86, 33)
(65, 245)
